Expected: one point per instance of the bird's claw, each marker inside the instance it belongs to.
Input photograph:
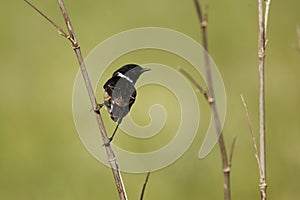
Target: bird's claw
(98, 108)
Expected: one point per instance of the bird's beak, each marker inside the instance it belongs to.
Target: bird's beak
(145, 70)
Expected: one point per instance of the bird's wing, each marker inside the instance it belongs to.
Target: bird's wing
(132, 98)
(121, 91)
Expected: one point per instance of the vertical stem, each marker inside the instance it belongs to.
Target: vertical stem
(225, 163)
(262, 26)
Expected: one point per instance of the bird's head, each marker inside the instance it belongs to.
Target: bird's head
(131, 72)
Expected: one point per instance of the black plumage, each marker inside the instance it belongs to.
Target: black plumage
(120, 93)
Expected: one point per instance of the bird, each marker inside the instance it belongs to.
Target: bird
(120, 93)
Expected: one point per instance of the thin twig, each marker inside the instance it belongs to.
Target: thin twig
(71, 37)
(267, 8)
(253, 137)
(60, 30)
(198, 86)
(225, 163)
(144, 186)
(232, 150)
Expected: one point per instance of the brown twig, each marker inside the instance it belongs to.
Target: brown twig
(225, 163)
(253, 136)
(71, 37)
(253, 140)
(60, 30)
(197, 85)
(231, 151)
(144, 186)
(262, 42)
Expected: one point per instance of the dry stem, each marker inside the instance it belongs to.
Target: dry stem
(71, 37)
(232, 150)
(253, 138)
(262, 42)
(198, 86)
(225, 162)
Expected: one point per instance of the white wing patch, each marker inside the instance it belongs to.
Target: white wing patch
(123, 76)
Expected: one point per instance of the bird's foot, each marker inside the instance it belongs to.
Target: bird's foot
(107, 143)
(98, 108)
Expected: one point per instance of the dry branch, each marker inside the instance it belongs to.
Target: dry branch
(262, 182)
(231, 151)
(225, 162)
(197, 85)
(253, 137)
(75, 44)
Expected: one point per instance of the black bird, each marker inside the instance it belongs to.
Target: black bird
(119, 92)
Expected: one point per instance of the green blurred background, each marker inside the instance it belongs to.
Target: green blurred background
(41, 155)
